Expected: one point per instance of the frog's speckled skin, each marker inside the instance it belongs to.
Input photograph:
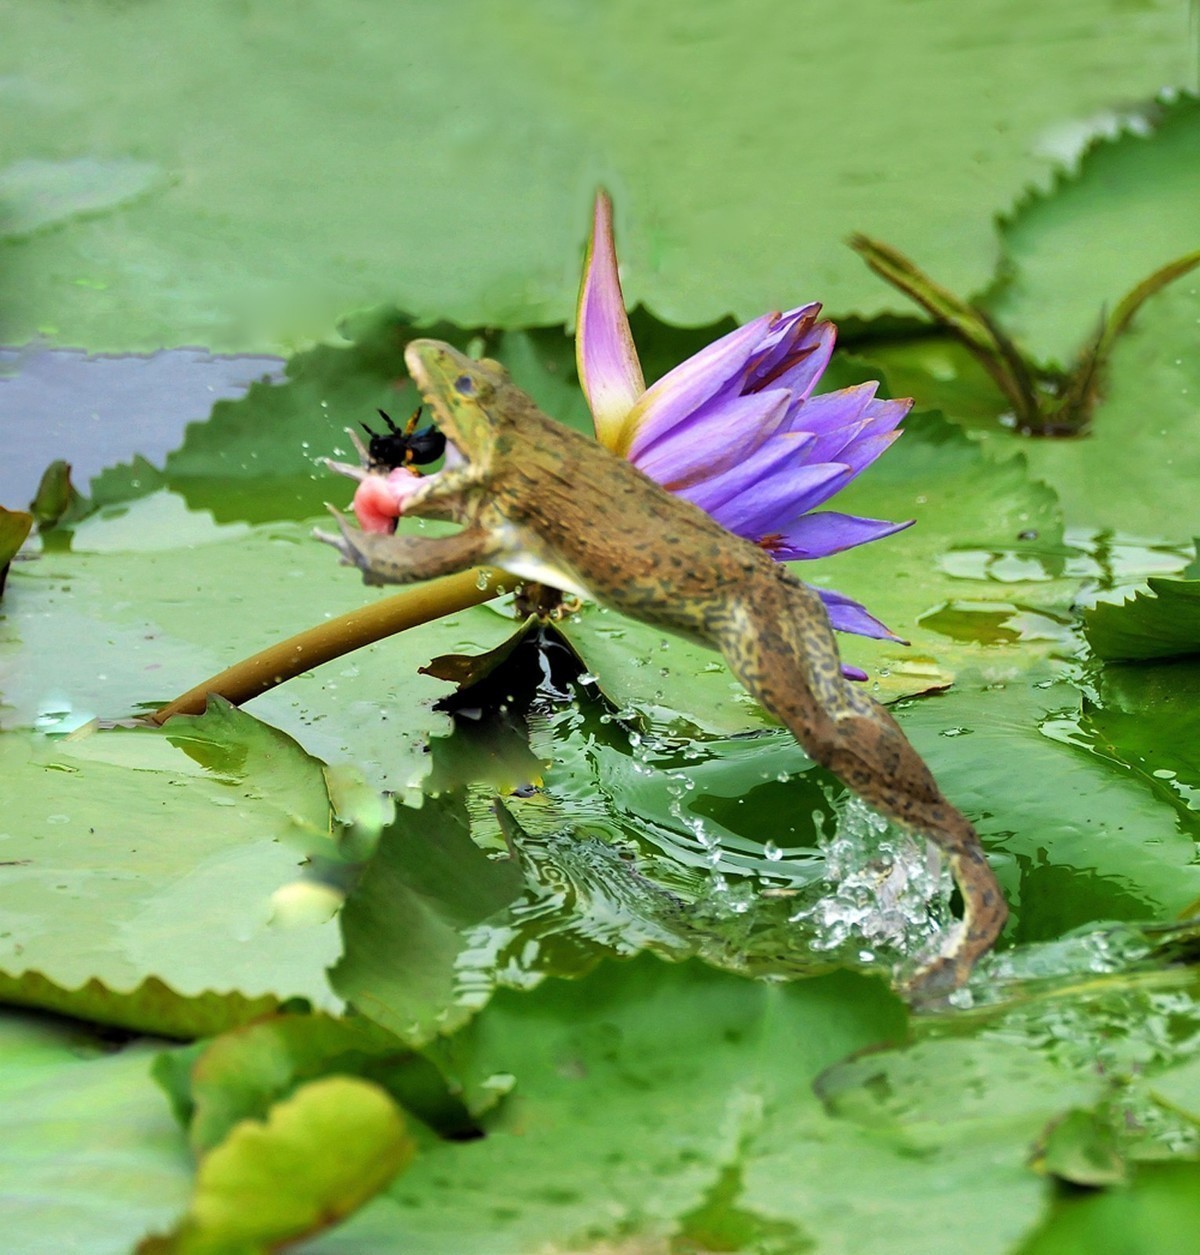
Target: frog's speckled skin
(548, 503)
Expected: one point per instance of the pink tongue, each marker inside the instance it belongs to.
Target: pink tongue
(380, 499)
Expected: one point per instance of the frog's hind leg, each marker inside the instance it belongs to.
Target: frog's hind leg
(780, 645)
(385, 559)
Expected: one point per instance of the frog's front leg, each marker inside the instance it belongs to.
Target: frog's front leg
(387, 559)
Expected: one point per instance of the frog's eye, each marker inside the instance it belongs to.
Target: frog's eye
(465, 385)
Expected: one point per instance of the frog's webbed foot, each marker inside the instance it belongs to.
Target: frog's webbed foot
(385, 559)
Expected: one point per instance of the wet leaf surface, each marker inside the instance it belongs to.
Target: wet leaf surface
(491, 228)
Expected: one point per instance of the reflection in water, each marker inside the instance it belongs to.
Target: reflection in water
(621, 853)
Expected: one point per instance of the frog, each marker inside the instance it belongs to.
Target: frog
(550, 505)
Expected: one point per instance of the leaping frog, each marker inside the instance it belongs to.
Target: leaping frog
(551, 505)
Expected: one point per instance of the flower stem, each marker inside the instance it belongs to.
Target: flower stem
(287, 659)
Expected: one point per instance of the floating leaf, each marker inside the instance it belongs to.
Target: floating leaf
(37, 194)
(634, 1087)
(1148, 717)
(75, 1110)
(129, 862)
(244, 1072)
(1077, 249)
(1158, 1213)
(1162, 624)
(454, 212)
(317, 1157)
(1079, 841)
(150, 1007)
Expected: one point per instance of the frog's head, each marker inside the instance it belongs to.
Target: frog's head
(464, 397)
(461, 393)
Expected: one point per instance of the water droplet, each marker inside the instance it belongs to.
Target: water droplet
(772, 852)
(956, 731)
(481, 579)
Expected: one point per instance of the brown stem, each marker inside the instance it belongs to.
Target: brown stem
(308, 649)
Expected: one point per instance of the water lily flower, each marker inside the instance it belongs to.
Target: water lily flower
(736, 429)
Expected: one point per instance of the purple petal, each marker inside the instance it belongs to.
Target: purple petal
(804, 365)
(819, 535)
(756, 512)
(714, 440)
(885, 415)
(682, 391)
(862, 453)
(609, 370)
(832, 411)
(854, 673)
(790, 337)
(847, 615)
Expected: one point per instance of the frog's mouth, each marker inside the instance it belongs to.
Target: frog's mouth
(384, 490)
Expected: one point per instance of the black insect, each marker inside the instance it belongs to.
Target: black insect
(404, 447)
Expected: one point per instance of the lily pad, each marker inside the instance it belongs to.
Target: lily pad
(1157, 1214)
(453, 212)
(1162, 624)
(406, 924)
(317, 1157)
(157, 619)
(1077, 248)
(986, 550)
(1148, 718)
(126, 861)
(244, 1072)
(634, 1088)
(1079, 841)
(74, 1109)
(1134, 472)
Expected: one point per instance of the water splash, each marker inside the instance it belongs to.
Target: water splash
(889, 893)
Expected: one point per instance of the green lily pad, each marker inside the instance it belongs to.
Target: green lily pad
(153, 599)
(317, 1157)
(1165, 624)
(38, 194)
(74, 1109)
(978, 580)
(1148, 718)
(243, 1072)
(152, 1006)
(1158, 1213)
(1180, 1087)
(1134, 473)
(633, 1088)
(127, 862)
(1078, 842)
(371, 188)
(1075, 250)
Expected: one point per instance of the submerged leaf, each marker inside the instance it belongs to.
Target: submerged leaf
(407, 922)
